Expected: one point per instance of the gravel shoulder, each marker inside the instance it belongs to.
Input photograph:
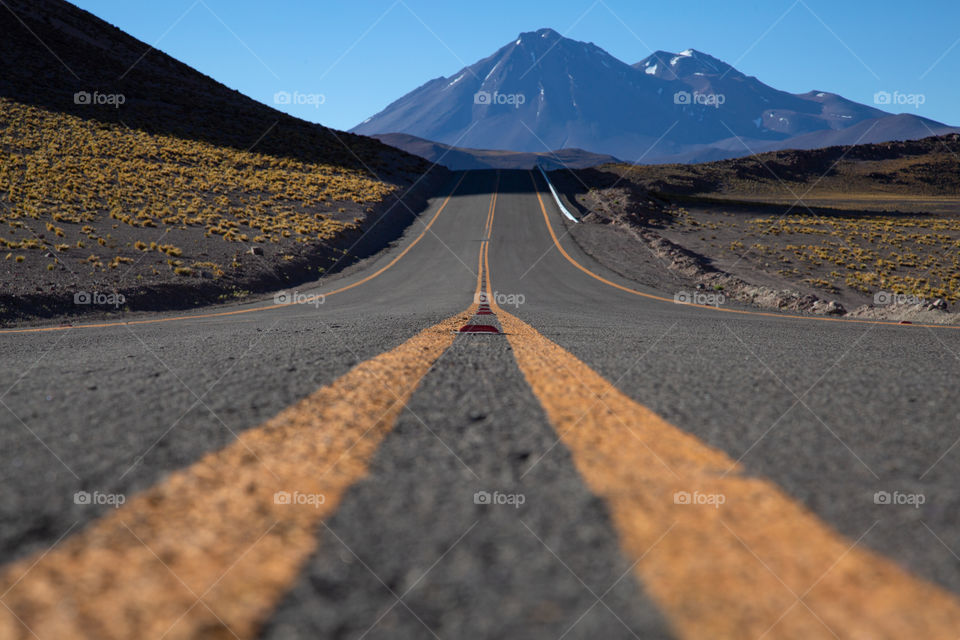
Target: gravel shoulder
(761, 254)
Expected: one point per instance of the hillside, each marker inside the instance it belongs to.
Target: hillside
(862, 225)
(123, 171)
(927, 167)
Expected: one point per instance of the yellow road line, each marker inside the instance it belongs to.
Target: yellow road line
(651, 296)
(487, 224)
(485, 243)
(758, 565)
(209, 552)
(731, 571)
(221, 314)
(214, 529)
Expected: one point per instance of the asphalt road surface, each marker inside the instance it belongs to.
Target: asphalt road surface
(609, 465)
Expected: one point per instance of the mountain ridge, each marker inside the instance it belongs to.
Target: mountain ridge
(543, 91)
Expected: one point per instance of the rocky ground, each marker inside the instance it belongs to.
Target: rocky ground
(187, 268)
(741, 251)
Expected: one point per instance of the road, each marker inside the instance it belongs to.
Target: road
(610, 465)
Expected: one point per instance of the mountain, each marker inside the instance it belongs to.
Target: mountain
(461, 159)
(749, 107)
(544, 91)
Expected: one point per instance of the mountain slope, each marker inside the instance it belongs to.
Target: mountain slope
(162, 184)
(750, 107)
(159, 94)
(551, 91)
(544, 91)
(900, 127)
(915, 169)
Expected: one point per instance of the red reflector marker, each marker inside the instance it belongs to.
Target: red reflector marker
(478, 328)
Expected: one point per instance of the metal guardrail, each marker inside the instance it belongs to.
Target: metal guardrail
(556, 196)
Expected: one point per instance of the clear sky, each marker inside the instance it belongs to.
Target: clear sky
(360, 55)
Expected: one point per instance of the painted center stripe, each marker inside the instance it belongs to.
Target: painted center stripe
(209, 551)
(758, 565)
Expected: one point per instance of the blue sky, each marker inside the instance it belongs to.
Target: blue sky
(361, 55)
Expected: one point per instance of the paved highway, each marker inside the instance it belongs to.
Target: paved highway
(610, 465)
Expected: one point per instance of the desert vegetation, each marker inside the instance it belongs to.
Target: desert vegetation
(841, 222)
(62, 177)
(88, 205)
(916, 255)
